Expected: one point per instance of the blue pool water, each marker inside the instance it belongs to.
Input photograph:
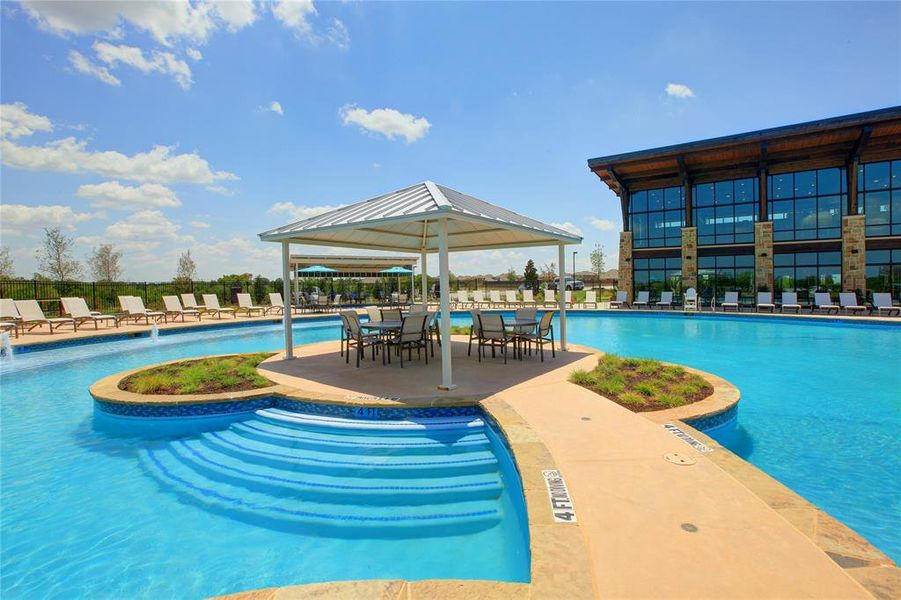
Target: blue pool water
(84, 512)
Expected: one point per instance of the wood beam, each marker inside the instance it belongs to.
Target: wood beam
(861, 143)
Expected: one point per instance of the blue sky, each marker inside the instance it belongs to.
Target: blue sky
(152, 126)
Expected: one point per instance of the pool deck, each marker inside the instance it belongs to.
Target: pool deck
(714, 528)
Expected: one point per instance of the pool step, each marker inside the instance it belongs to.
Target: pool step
(341, 489)
(301, 420)
(308, 516)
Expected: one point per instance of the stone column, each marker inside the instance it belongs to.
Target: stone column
(854, 253)
(689, 258)
(763, 255)
(625, 275)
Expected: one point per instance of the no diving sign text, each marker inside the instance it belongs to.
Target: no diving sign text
(561, 503)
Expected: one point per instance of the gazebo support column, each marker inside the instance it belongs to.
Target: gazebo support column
(444, 283)
(425, 280)
(286, 293)
(561, 296)
(296, 298)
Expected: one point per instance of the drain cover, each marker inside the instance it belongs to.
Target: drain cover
(679, 459)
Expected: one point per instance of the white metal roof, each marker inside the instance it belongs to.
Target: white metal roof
(339, 262)
(406, 220)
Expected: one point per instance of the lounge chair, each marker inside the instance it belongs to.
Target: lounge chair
(494, 334)
(848, 302)
(730, 301)
(32, 315)
(189, 301)
(137, 311)
(276, 304)
(690, 300)
(643, 299)
(511, 298)
(622, 299)
(543, 335)
(462, 298)
(568, 298)
(211, 302)
(549, 298)
(78, 309)
(495, 296)
(336, 303)
(9, 326)
(9, 314)
(882, 303)
(790, 302)
(765, 301)
(174, 308)
(246, 305)
(822, 301)
(478, 299)
(666, 299)
(591, 297)
(528, 297)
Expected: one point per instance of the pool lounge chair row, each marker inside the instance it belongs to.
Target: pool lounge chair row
(462, 299)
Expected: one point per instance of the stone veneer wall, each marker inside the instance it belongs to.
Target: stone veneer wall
(854, 255)
(689, 257)
(626, 276)
(763, 255)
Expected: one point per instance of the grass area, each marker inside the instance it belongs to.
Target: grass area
(460, 329)
(204, 376)
(642, 385)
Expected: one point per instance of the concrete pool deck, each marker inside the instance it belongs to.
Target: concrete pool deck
(651, 528)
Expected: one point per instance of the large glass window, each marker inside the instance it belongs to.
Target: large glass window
(879, 197)
(657, 275)
(656, 217)
(884, 271)
(807, 272)
(720, 274)
(807, 205)
(725, 211)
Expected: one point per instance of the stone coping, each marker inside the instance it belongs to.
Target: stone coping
(865, 563)
(724, 397)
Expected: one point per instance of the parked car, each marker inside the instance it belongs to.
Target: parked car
(568, 282)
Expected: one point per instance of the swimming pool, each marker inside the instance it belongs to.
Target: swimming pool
(820, 411)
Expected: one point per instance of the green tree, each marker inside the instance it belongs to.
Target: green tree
(260, 285)
(597, 261)
(510, 275)
(7, 268)
(104, 263)
(531, 276)
(187, 269)
(55, 256)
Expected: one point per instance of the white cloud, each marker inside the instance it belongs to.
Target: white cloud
(237, 14)
(83, 64)
(220, 189)
(679, 90)
(568, 226)
(293, 14)
(155, 62)
(144, 230)
(389, 122)
(602, 224)
(68, 155)
(112, 194)
(276, 107)
(194, 54)
(337, 34)
(19, 218)
(16, 121)
(199, 224)
(299, 212)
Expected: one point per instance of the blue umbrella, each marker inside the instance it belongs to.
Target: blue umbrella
(398, 271)
(317, 269)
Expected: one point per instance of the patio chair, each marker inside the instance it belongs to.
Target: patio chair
(78, 309)
(432, 330)
(848, 302)
(374, 313)
(765, 301)
(137, 310)
(174, 308)
(690, 301)
(544, 335)
(591, 297)
(790, 302)
(528, 297)
(32, 315)
(352, 334)
(9, 314)
(189, 301)
(550, 298)
(475, 330)
(622, 299)
(462, 298)
(478, 299)
(510, 298)
(730, 301)
(211, 301)
(524, 314)
(246, 305)
(494, 334)
(643, 300)
(823, 301)
(882, 302)
(666, 299)
(392, 314)
(411, 335)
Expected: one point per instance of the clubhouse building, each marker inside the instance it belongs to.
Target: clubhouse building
(809, 207)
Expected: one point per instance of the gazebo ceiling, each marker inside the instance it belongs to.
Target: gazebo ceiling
(407, 220)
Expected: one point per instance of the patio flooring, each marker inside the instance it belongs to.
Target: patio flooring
(652, 528)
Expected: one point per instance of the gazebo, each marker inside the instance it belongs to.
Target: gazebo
(426, 217)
